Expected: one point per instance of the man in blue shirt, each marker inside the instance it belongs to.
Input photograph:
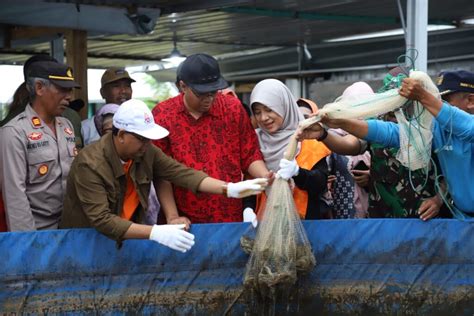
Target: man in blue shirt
(453, 130)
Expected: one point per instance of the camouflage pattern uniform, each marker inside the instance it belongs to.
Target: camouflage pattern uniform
(390, 191)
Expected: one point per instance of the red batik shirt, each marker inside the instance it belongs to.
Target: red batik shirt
(221, 143)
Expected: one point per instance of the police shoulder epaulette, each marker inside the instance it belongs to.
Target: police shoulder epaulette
(21, 116)
(15, 119)
(64, 120)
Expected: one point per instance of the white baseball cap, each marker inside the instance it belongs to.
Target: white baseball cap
(135, 117)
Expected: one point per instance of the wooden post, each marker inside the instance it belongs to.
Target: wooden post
(76, 57)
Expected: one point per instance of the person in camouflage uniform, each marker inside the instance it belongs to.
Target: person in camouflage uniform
(391, 193)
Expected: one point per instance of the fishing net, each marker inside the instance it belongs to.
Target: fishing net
(415, 130)
(416, 133)
(281, 248)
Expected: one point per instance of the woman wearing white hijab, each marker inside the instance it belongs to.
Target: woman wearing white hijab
(277, 116)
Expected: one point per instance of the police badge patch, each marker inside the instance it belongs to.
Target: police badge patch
(35, 136)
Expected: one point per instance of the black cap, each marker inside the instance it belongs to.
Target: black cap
(454, 81)
(57, 73)
(34, 59)
(201, 72)
(76, 104)
(178, 73)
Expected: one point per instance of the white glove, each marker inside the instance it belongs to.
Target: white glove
(288, 169)
(173, 236)
(246, 188)
(250, 217)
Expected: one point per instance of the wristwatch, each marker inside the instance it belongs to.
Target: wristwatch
(323, 136)
(224, 189)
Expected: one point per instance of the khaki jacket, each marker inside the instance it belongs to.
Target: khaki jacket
(97, 184)
(34, 165)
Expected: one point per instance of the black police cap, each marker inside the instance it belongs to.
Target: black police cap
(454, 81)
(59, 74)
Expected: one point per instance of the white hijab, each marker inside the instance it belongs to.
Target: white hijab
(276, 96)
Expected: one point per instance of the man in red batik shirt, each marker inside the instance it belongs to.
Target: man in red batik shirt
(209, 131)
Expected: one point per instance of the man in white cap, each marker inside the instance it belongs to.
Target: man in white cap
(109, 181)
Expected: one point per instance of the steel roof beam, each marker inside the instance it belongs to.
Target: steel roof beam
(202, 5)
(183, 40)
(323, 16)
(92, 55)
(417, 34)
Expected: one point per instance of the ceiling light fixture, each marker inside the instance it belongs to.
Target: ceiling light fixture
(175, 58)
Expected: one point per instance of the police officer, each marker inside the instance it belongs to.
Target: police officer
(36, 150)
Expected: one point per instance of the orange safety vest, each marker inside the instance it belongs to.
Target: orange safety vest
(310, 154)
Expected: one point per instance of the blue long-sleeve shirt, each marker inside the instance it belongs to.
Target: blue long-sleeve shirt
(455, 153)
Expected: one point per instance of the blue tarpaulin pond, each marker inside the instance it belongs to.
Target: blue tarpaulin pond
(364, 267)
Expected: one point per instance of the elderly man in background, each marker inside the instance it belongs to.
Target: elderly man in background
(37, 148)
(116, 88)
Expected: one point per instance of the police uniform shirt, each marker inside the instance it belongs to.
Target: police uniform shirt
(34, 167)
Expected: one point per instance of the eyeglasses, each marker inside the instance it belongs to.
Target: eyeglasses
(140, 138)
(203, 95)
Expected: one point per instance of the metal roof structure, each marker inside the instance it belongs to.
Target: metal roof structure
(248, 37)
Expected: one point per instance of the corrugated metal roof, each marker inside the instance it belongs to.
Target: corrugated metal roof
(221, 30)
